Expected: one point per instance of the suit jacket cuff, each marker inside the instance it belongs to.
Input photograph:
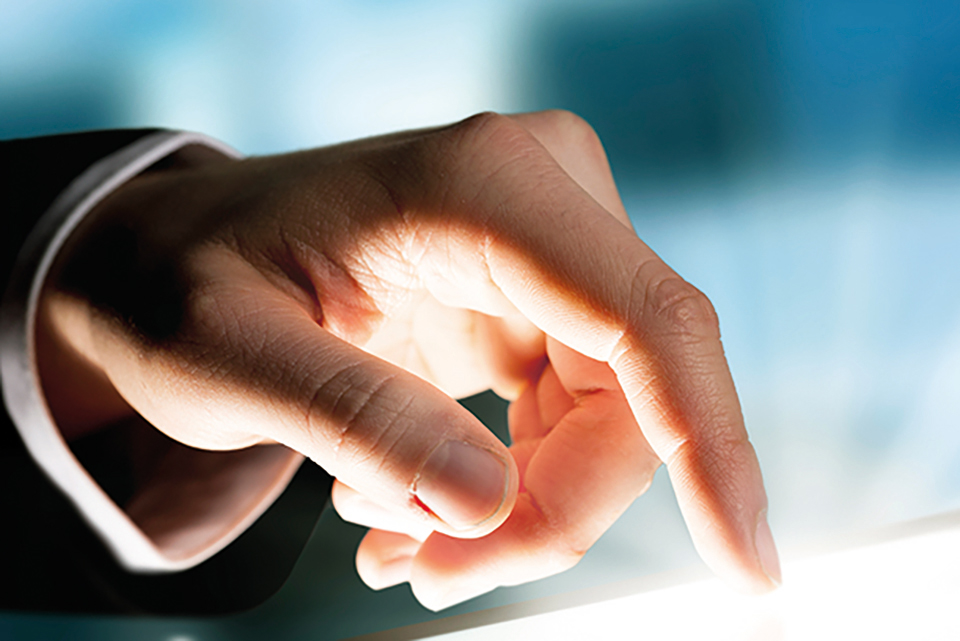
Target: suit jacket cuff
(185, 518)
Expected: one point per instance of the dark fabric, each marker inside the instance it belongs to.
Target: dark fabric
(49, 559)
(33, 172)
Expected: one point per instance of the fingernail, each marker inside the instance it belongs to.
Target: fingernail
(767, 550)
(462, 484)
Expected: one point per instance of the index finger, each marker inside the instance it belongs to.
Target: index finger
(492, 201)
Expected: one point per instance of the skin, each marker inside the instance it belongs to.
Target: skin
(335, 300)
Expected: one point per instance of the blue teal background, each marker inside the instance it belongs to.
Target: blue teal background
(796, 160)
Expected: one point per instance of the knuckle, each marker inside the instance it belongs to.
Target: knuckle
(483, 123)
(576, 133)
(557, 552)
(560, 544)
(566, 119)
(566, 559)
(352, 411)
(723, 458)
(683, 309)
(490, 134)
(338, 405)
(562, 555)
(576, 127)
(442, 170)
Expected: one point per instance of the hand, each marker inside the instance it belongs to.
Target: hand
(308, 299)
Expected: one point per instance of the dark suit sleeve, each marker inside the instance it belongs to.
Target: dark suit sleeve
(36, 170)
(49, 560)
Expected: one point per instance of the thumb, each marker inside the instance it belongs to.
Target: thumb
(259, 367)
(402, 442)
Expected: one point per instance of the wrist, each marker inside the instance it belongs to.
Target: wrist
(78, 392)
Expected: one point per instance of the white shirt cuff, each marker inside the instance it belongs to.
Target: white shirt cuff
(173, 525)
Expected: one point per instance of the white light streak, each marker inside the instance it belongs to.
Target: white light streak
(902, 589)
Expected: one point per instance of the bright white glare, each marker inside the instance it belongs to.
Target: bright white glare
(903, 589)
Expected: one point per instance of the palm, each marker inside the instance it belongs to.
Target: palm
(438, 343)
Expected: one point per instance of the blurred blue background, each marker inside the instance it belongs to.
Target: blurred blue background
(798, 160)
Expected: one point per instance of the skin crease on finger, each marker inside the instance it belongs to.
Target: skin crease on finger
(434, 255)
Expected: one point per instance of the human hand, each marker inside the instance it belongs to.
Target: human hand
(231, 304)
